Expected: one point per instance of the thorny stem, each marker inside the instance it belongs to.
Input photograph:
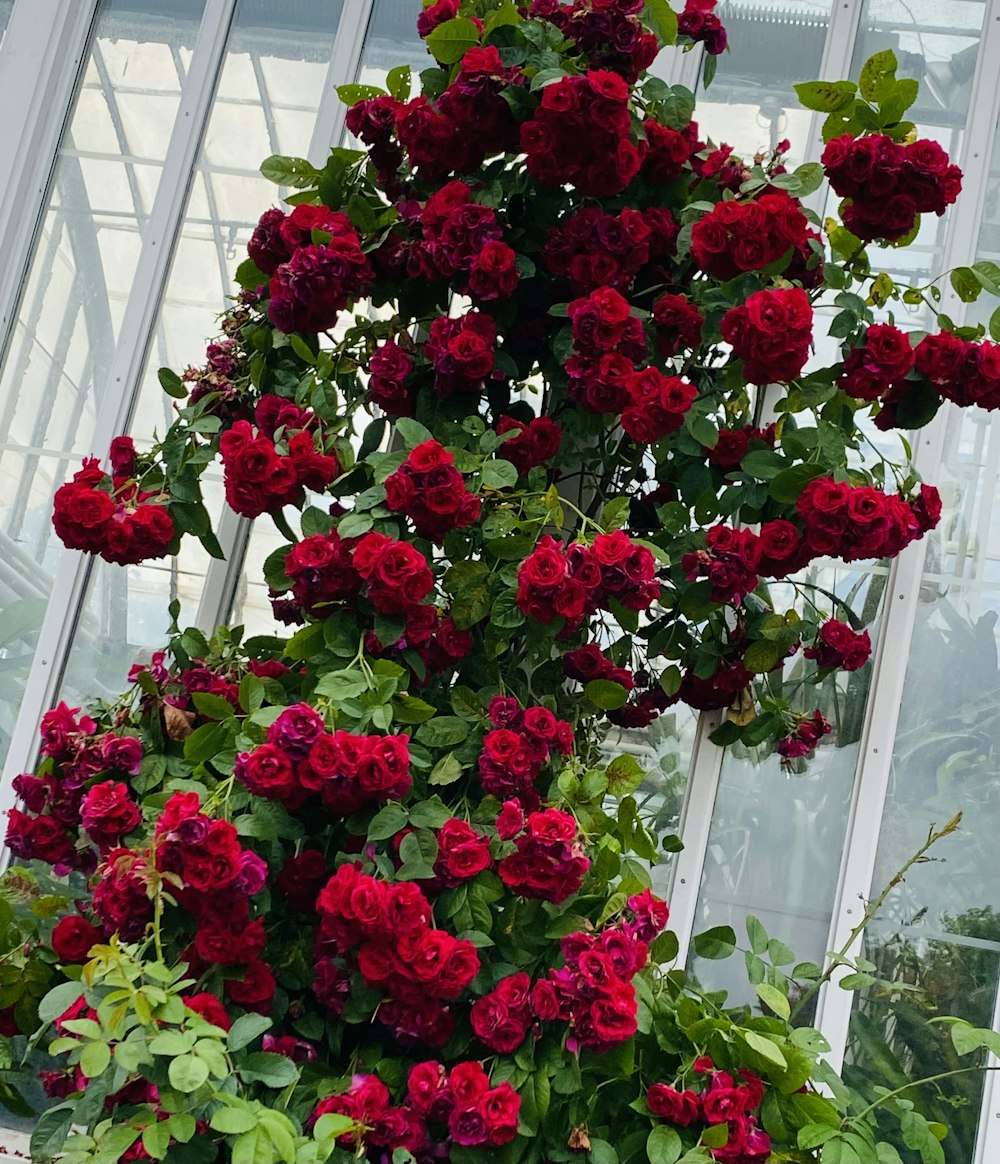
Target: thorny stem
(872, 908)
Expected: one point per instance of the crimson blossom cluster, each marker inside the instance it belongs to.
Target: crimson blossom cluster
(888, 184)
(109, 515)
(722, 1101)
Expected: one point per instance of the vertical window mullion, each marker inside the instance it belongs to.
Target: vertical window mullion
(223, 578)
(119, 394)
(43, 49)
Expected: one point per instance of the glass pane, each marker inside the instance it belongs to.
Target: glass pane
(57, 362)
(272, 79)
(5, 9)
(940, 930)
(773, 45)
(782, 866)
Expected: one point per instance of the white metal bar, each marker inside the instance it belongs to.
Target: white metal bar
(875, 756)
(43, 47)
(695, 827)
(118, 400)
(345, 60)
(223, 577)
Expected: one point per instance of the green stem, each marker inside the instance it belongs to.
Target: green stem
(916, 1083)
(872, 909)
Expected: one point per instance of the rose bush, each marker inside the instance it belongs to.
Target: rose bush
(375, 888)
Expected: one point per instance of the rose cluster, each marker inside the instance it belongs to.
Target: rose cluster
(111, 516)
(699, 22)
(735, 237)
(549, 861)
(389, 368)
(431, 492)
(65, 795)
(801, 741)
(383, 931)
(656, 404)
(593, 991)
(837, 646)
(611, 34)
(593, 248)
(430, 644)
(300, 758)
(677, 323)
(734, 444)
(326, 569)
(880, 365)
(962, 371)
(462, 1103)
(771, 333)
(518, 747)
(461, 352)
(463, 853)
(311, 283)
(723, 1101)
(467, 123)
(854, 522)
(260, 479)
(608, 341)
(889, 184)
(571, 582)
(536, 441)
(462, 242)
(581, 135)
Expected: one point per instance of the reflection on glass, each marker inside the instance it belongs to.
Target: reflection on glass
(56, 365)
(940, 929)
(777, 834)
(269, 89)
(751, 104)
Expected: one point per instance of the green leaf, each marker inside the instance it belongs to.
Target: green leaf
(450, 41)
(443, 731)
(757, 935)
(212, 706)
(342, 685)
(171, 383)
(352, 94)
(814, 1135)
(788, 484)
(663, 1146)
(412, 431)
(59, 999)
(187, 1073)
(826, 96)
(398, 82)
(231, 1121)
(499, 474)
(418, 851)
(662, 19)
(94, 1059)
(718, 942)
(764, 1046)
(245, 1029)
(388, 821)
(625, 774)
(410, 709)
(156, 1139)
(607, 695)
(875, 73)
(446, 771)
(967, 286)
(286, 171)
(206, 741)
(773, 998)
(268, 1068)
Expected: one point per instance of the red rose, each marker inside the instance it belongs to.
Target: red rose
(108, 813)
(255, 989)
(73, 939)
(677, 1107)
(462, 852)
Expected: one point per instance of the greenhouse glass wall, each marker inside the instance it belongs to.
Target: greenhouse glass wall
(132, 132)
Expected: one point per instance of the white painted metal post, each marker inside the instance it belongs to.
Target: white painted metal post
(117, 402)
(223, 577)
(43, 48)
(694, 829)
